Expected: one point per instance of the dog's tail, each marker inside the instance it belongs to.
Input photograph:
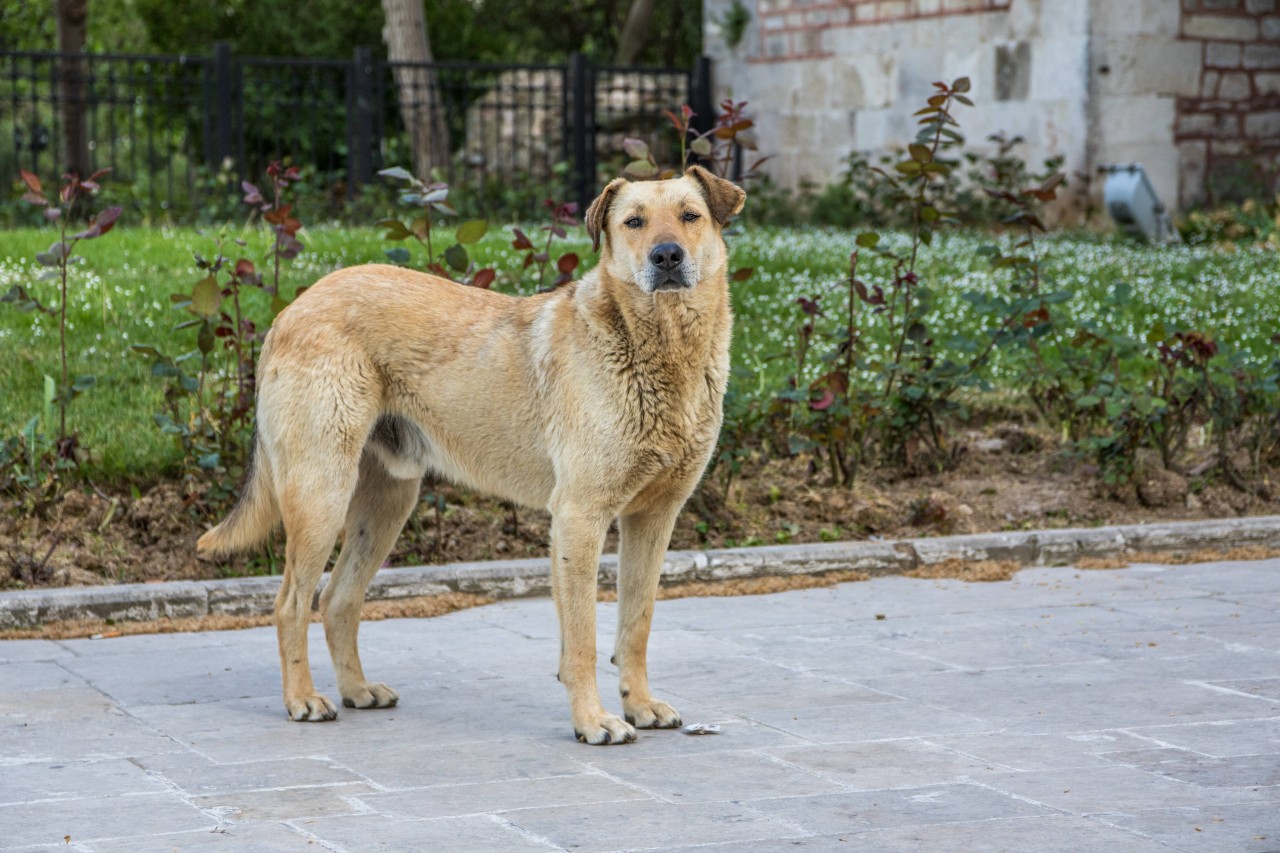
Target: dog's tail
(255, 515)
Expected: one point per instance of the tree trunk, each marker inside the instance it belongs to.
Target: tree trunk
(634, 30)
(72, 17)
(420, 106)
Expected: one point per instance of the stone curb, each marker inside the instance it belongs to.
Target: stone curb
(521, 578)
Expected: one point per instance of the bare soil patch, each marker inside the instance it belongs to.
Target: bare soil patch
(1179, 558)
(1006, 478)
(974, 571)
(748, 586)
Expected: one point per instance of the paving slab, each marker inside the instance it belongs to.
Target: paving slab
(1136, 709)
(1052, 834)
(1212, 829)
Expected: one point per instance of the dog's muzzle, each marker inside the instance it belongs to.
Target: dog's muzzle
(667, 269)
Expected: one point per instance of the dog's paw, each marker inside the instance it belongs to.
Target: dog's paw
(311, 709)
(370, 695)
(603, 729)
(651, 714)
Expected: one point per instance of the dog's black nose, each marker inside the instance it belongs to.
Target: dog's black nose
(666, 256)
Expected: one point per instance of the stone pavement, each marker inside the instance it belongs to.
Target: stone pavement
(1134, 710)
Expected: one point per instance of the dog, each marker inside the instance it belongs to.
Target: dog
(600, 400)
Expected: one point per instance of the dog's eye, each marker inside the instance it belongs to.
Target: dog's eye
(691, 216)
(634, 222)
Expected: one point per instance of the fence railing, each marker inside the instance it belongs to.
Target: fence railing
(177, 131)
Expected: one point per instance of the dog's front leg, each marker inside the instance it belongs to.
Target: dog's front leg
(645, 536)
(577, 535)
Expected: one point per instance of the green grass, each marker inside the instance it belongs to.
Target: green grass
(120, 296)
(1233, 294)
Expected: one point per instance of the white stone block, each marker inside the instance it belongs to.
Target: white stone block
(877, 130)
(1268, 84)
(1060, 69)
(846, 89)
(1111, 18)
(1147, 65)
(1193, 165)
(1234, 87)
(1049, 19)
(1134, 121)
(1263, 125)
(1222, 55)
(1220, 27)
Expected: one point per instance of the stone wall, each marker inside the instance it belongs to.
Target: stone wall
(1139, 67)
(1228, 132)
(820, 93)
(1189, 88)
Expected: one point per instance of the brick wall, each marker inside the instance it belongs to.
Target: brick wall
(794, 29)
(1229, 136)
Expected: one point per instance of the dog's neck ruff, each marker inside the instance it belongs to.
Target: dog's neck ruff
(686, 326)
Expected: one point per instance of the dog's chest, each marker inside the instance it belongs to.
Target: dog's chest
(672, 417)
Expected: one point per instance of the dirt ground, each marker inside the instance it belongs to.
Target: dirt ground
(1005, 479)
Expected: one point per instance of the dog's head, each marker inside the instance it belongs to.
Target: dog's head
(664, 235)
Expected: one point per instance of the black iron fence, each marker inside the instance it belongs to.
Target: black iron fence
(180, 131)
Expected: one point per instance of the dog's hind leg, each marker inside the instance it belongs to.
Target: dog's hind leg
(312, 519)
(315, 447)
(379, 508)
(644, 539)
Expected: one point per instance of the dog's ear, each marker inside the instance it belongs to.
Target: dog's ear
(598, 212)
(724, 198)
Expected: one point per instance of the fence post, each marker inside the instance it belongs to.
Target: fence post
(582, 129)
(222, 136)
(700, 98)
(360, 122)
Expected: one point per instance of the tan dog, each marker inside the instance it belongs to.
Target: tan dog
(600, 400)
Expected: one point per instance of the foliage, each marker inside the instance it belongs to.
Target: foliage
(864, 195)
(1232, 294)
(434, 198)
(318, 28)
(714, 148)
(113, 26)
(564, 214)
(529, 31)
(31, 468)
(460, 30)
(1172, 391)
(734, 22)
(878, 377)
(864, 407)
(209, 391)
(1252, 221)
(743, 423)
(1114, 393)
(36, 458)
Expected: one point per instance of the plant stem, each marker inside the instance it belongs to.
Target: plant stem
(240, 362)
(200, 420)
(275, 254)
(542, 267)
(431, 255)
(439, 504)
(849, 362)
(64, 252)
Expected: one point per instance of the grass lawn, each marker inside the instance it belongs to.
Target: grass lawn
(120, 296)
